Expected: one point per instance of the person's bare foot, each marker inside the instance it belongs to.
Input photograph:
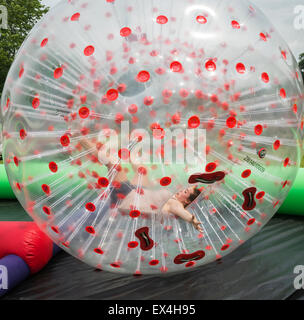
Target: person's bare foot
(196, 224)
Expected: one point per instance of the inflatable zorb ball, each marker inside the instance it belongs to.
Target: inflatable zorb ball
(210, 79)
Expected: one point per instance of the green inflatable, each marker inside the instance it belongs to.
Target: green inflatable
(292, 205)
(6, 191)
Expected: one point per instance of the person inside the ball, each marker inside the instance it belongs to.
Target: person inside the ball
(138, 194)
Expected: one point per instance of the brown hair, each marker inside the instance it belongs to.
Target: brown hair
(196, 192)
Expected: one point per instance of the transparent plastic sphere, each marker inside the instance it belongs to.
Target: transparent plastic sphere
(152, 136)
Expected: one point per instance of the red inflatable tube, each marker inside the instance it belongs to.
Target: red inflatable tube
(27, 241)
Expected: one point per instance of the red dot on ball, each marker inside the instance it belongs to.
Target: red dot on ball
(265, 77)
(258, 129)
(201, 19)
(210, 65)
(235, 24)
(88, 51)
(112, 94)
(276, 145)
(225, 247)
(260, 195)
(98, 251)
(46, 210)
(90, 207)
(176, 66)
(132, 244)
(161, 19)
(45, 188)
(286, 162)
(53, 166)
(90, 229)
(240, 68)
(103, 182)
(231, 122)
(75, 16)
(250, 221)
(246, 173)
(165, 181)
(125, 32)
(194, 122)
(65, 141)
(44, 42)
(123, 153)
(58, 72)
(283, 93)
(154, 262)
(22, 134)
(210, 167)
(134, 213)
(55, 229)
(143, 76)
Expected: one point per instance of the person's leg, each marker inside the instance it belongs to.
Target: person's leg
(140, 174)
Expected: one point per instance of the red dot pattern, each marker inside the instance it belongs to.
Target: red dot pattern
(201, 19)
(210, 167)
(53, 166)
(84, 112)
(98, 251)
(235, 24)
(65, 140)
(165, 181)
(90, 230)
(210, 65)
(58, 72)
(134, 213)
(194, 122)
(112, 94)
(154, 262)
(35, 103)
(75, 16)
(123, 154)
(258, 130)
(133, 244)
(265, 77)
(103, 182)
(90, 206)
(125, 32)
(176, 77)
(46, 189)
(88, 51)
(161, 19)
(143, 76)
(231, 122)
(240, 68)
(276, 145)
(246, 173)
(44, 42)
(22, 134)
(176, 66)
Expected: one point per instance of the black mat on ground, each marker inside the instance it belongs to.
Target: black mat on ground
(263, 268)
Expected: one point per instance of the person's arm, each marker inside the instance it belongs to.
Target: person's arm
(99, 153)
(177, 209)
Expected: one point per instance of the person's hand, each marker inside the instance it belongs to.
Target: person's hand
(196, 224)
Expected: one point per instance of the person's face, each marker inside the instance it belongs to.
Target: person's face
(183, 196)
